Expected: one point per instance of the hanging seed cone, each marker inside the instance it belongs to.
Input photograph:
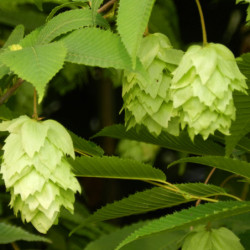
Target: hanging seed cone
(36, 172)
(202, 89)
(148, 102)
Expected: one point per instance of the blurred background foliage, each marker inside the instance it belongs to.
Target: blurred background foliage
(86, 99)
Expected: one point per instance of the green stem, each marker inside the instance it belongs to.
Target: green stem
(203, 27)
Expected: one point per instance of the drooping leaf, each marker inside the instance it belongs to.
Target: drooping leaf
(189, 217)
(68, 21)
(15, 36)
(95, 47)
(241, 126)
(37, 64)
(154, 199)
(228, 164)
(132, 20)
(85, 147)
(10, 233)
(115, 168)
(181, 143)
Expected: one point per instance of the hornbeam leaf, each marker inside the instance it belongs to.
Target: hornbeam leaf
(83, 146)
(228, 164)
(37, 64)
(10, 233)
(181, 143)
(132, 20)
(95, 4)
(189, 217)
(156, 242)
(114, 167)
(154, 199)
(241, 126)
(68, 21)
(95, 47)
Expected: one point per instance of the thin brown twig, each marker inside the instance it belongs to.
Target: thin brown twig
(35, 115)
(205, 182)
(15, 246)
(106, 6)
(203, 26)
(11, 91)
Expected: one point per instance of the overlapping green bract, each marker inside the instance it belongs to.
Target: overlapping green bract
(36, 172)
(202, 89)
(148, 102)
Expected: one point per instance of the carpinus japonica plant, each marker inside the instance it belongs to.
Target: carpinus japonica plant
(202, 89)
(36, 172)
(148, 103)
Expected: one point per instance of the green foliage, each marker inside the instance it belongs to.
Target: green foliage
(35, 64)
(240, 127)
(102, 48)
(235, 166)
(188, 217)
(180, 143)
(85, 147)
(164, 90)
(10, 233)
(114, 167)
(132, 24)
(68, 21)
(154, 199)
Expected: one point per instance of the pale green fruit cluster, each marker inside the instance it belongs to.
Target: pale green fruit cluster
(148, 102)
(213, 239)
(36, 172)
(202, 89)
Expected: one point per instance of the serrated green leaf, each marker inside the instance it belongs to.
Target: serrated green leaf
(15, 36)
(114, 167)
(68, 21)
(228, 164)
(132, 20)
(181, 143)
(96, 47)
(57, 8)
(31, 39)
(154, 199)
(189, 217)
(10, 233)
(241, 126)
(156, 242)
(95, 4)
(37, 64)
(83, 146)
